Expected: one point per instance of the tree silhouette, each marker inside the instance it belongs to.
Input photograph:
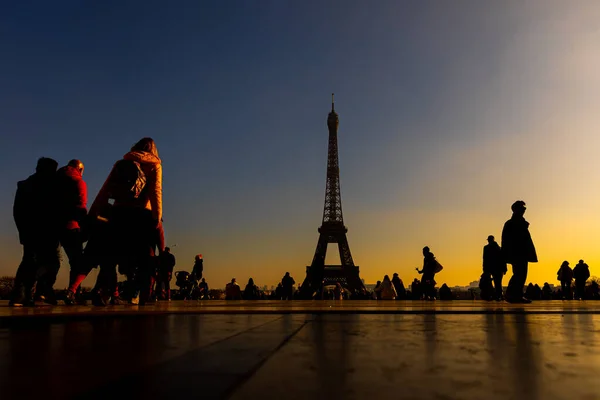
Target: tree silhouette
(6, 286)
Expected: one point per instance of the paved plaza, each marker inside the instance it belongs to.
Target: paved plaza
(303, 350)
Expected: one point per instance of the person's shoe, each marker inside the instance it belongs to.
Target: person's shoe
(135, 301)
(22, 302)
(97, 300)
(525, 300)
(518, 300)
(116, 301)
(49, 298)
(81, 301)
(69, 298)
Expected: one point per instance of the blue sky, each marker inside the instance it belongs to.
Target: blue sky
(449, 111)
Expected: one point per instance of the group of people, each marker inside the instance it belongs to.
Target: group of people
(284, 291)
(565, 275)
(123, 229)
(393, 289)
(518, 250)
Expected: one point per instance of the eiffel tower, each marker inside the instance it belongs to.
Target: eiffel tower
(332, 229)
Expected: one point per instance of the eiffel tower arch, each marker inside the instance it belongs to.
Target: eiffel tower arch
(332, 229)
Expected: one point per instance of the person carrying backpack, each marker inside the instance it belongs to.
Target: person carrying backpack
(132, 196)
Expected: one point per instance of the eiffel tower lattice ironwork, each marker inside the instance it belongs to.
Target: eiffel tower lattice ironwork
(332, 229)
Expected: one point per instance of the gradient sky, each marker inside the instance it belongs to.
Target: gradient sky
(449, 112)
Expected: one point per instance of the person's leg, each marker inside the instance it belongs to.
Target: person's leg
(517, 281)
(498, 285)
(72, 243)
(168, 286)
(48, 265)
(581, 289)
(566, 290)
(24, 278)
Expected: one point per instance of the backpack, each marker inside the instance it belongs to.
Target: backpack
(438, 267)
(128, 180)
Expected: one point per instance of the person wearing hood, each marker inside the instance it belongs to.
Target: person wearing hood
(133, 192)
(72, 212)
(251, 291)
(399, 286)
(386, 289)
(198, 268)
(518, 250)
(34, 212)
(565, 276)
(581, 273)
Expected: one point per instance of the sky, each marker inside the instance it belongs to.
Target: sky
(449, 112)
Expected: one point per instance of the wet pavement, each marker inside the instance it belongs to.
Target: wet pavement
(506, 353)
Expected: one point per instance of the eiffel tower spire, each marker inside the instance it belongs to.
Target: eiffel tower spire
(332, 212)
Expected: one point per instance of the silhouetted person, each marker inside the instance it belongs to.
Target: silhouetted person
(166, 263)
(134, 186)
(251, 291)
(445, 292)
(72, 212)
(387, 289)
(546, 292)
(203, 290)
(430, 268)
(530, 291)
(287, 284)
(35, 212)
(494, 264)
(416, 290)
(537, 292)
(233, 291)
(486, 289)
(518, 250)
(279, 291)
(338, 292)
(376, 291)
(198, 268)
(399, 286)
(581, 273)
(565, 276)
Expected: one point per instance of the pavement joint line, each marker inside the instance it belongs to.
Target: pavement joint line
(252, 371)
(142, 371)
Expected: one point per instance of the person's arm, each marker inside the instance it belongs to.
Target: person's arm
(160, 238)
(101, 200)
(485, 257)
(20, 213)
(82, 195)
(156, 194)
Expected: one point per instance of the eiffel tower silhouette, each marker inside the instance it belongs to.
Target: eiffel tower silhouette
(332, 229)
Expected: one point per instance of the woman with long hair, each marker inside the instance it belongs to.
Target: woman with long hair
(133, 195)
(386, 289)
(565, 276)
